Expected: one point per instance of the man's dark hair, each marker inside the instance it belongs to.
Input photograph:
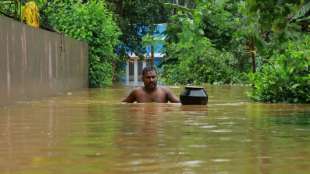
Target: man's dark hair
(148, 69)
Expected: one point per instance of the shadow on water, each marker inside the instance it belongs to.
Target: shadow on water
(300, 119)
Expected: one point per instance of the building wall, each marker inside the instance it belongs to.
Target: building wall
(35, 63)
(134, 65)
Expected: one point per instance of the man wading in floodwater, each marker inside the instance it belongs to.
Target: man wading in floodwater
(150, 92)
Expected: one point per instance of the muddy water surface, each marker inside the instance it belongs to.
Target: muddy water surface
(91, 132)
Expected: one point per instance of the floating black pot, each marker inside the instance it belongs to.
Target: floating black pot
(194, 95)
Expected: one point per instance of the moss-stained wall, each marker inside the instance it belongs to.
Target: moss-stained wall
(36, 63)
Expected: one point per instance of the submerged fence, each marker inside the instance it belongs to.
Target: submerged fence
(36, 63)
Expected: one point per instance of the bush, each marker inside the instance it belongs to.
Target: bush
(287, 77)
(211, 67)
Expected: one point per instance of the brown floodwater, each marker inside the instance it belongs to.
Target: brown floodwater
(91, 132)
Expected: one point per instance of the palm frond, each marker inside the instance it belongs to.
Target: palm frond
(307, 18)
(302, 11)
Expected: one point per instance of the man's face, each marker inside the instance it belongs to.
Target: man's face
(150, 80)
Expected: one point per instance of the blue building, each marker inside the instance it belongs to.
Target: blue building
(135, 65)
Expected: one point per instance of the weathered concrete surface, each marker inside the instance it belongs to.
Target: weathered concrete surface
(36, 63)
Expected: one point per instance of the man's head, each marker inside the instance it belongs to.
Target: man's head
(149, 77)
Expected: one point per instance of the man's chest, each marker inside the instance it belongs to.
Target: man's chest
(158, 97)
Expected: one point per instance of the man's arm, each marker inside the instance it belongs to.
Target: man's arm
(171, 97)
(131, 97)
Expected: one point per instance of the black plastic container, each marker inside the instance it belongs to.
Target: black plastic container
(194, 95)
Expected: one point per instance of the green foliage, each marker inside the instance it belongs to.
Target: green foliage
(287, 77)
(280, 43)
(218, 22)
(11, 8)
(90, 22)
(218, 39)
(301, 14)
(100, 72)
(192, 57)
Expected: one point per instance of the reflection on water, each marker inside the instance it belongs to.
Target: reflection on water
(91, 132)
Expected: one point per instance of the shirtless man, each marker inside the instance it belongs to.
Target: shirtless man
(150, 92)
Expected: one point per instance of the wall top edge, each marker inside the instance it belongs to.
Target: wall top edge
(21, 24)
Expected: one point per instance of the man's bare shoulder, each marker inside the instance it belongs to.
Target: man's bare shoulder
(165, 89)
(133, 95)
(171, 97)
(137, 90)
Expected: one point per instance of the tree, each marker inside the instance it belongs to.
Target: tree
(190, 50)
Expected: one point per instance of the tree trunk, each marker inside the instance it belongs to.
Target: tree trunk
(120, 8)
(251, 49)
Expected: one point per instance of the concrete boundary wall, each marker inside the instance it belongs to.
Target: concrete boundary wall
(35, 63)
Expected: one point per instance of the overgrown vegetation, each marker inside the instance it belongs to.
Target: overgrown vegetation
(263, 43)
(192, 56)
(286, 77)
(220, 41)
